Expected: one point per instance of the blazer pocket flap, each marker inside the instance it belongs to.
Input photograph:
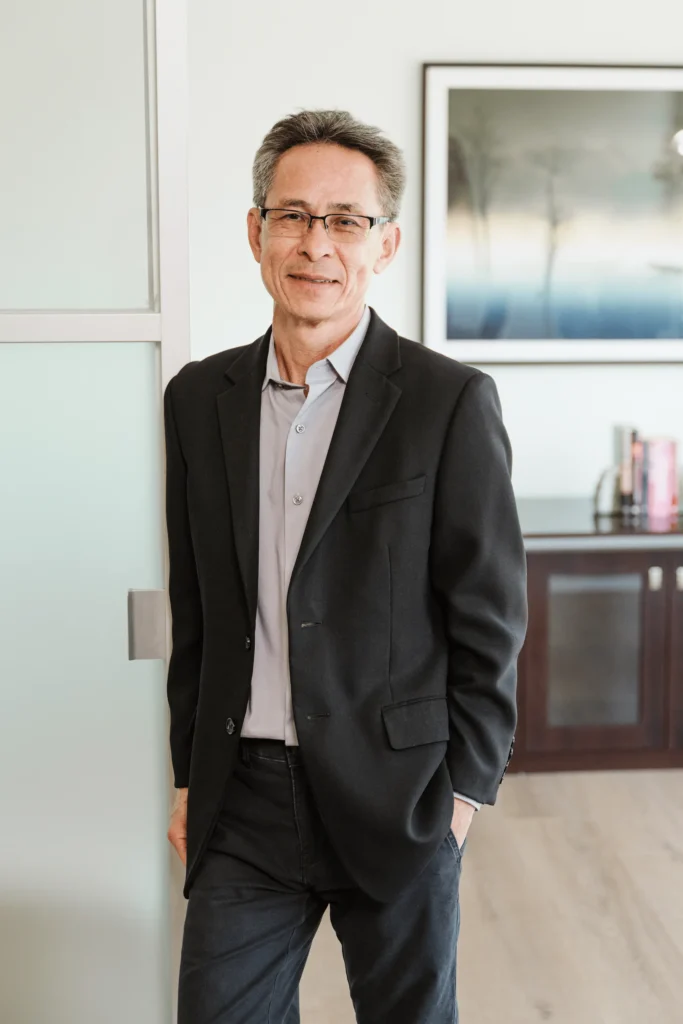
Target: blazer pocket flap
(359, 500)
(413, 722)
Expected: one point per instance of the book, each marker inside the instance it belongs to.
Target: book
(648, 479)
(637, 459)
(661, 494)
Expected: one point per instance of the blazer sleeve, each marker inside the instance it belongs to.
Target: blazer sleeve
(479, 574)
(186, 610)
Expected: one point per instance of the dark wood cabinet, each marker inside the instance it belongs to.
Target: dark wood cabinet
(601, 672)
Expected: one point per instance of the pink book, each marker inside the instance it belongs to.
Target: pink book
(662, 478)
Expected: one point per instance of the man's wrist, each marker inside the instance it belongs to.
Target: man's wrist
(468, 800)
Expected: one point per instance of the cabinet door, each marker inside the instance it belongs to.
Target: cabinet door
(595, 658)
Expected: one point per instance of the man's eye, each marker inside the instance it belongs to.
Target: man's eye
(353, 225)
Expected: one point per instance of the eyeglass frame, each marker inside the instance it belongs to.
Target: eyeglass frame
(263, 210)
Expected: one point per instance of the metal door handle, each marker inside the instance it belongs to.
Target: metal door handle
(655, 576)
(146, 624)
(679, 578)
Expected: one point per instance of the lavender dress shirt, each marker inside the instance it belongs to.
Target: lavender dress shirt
(296, 431)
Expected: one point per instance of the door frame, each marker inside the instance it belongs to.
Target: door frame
(167, 321)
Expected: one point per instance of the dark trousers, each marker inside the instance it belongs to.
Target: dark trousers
(264, 883)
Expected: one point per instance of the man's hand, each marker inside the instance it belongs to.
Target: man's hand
(177, 830)
(462, 819)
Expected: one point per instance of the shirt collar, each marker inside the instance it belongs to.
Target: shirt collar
(341, 360)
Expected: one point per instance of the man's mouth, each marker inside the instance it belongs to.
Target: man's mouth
(313, 280)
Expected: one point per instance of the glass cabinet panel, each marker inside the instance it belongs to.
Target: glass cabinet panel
(594, 649)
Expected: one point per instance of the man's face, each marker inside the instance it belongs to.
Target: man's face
(312, 277)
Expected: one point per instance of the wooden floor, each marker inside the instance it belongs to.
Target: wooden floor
(571, 907)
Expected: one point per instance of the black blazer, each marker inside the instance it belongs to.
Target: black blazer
(412, 570)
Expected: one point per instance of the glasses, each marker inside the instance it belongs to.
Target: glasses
(341, 227)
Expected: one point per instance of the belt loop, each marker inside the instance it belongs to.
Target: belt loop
(293, 756)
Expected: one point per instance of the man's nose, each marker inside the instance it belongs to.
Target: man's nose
(316, 242)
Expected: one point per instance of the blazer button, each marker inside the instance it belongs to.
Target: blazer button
(230, 726)
(247, 643)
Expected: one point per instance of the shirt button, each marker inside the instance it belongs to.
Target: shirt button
(230, 727)
(300, 428)
(297, 499)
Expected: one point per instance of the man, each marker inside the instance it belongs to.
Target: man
(348, 589)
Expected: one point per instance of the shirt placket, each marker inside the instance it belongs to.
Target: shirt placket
(297, 492)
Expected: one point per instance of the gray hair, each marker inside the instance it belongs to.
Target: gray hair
(341, 129)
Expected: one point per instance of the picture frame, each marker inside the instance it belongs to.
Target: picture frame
(553, 213)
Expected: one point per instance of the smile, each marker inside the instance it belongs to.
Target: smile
(313, 280)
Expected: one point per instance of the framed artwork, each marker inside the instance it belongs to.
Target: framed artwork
(553, 213)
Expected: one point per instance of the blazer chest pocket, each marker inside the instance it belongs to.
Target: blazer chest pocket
(360, 500)
(412, 722)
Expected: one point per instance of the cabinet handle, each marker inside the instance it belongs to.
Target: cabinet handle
(655, 576)
(679, 578)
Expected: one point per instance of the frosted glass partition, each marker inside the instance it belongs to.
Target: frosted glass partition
(73, 172)
(83, 746)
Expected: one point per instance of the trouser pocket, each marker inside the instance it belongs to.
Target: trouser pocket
(453, 842)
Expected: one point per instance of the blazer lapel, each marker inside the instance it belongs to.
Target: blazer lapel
(239, 417)
(368, 402)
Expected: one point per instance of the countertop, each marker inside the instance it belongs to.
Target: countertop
(569, 523)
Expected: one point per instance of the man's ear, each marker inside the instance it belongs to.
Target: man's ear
(254, 229)
(391, 239)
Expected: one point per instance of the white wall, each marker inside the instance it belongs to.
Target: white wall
(252, 63)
